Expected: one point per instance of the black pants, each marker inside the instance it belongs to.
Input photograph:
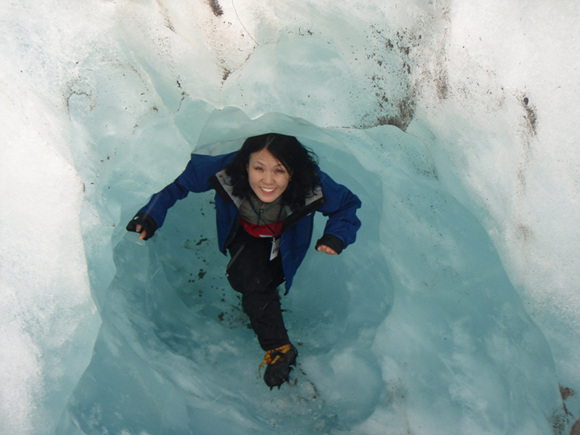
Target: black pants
(251, 273)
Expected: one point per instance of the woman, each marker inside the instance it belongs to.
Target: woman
(266, 194)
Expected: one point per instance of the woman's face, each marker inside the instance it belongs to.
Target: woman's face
(268, 177)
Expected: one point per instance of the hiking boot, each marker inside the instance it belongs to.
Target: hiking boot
(278, 363)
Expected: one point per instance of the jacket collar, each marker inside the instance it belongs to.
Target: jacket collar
(221, 183)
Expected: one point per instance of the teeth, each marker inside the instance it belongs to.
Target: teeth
(267, 190)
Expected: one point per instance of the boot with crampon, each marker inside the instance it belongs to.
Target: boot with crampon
(278, 362)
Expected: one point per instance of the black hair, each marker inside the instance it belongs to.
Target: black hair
(300, 162)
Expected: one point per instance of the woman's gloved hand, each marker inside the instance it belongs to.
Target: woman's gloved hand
(329, 244)
(143, 224)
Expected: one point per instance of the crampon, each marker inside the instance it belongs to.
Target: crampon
(278, 362)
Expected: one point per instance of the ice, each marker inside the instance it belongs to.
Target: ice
(457, 309)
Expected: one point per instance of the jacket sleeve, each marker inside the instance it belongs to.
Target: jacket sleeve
(340, 206)
(195, 178)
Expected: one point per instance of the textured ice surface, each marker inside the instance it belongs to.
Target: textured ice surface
(455, 312)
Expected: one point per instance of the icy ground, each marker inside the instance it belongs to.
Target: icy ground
(457, 310)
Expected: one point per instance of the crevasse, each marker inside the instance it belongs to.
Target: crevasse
(456, 311)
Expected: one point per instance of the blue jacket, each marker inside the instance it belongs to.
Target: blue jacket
(206, 172)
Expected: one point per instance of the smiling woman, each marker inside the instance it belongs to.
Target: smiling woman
(266, 196)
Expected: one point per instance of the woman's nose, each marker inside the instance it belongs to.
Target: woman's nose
(268, 177)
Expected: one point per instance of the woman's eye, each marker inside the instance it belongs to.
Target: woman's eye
(258, 168)
(280, 171)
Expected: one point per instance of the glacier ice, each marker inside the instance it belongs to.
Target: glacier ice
(455, 312)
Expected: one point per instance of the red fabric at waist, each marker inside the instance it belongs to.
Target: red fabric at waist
(262, 230)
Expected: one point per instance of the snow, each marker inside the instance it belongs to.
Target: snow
(456, 311)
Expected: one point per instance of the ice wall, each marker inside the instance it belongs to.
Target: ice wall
(439, 316)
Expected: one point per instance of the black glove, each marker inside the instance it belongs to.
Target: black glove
(332, 242)
(147, 223)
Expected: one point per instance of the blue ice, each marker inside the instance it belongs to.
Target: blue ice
(415, 327)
